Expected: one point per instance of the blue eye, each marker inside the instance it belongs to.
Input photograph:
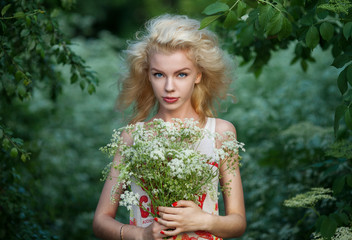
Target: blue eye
(158, 75)
(182, 75)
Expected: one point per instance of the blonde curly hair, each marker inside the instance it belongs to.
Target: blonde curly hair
(167, 34)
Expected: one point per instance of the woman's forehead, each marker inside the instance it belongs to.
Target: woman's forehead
(175, 60)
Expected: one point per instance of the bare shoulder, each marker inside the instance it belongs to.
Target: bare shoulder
(127, 138)
(223, 126)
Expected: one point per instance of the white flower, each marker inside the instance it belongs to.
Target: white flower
(310, 198)
(129, 199)
(157, 154)
(165, 162)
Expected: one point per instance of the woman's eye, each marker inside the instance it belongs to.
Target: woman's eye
(182, 75)
(158, 75)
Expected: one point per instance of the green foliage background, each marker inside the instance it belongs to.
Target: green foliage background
(50, 187)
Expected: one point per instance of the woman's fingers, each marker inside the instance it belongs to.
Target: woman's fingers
(167, 223)
(170, 210)
(184, 203)
(170, 232)
(184, 216)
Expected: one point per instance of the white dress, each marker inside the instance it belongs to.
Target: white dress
(208, 202)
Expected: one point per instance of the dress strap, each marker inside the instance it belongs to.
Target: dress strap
(211, 123)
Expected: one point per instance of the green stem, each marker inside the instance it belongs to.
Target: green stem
(234, 5)
(269, 3)
(315, 211)
(35, 12)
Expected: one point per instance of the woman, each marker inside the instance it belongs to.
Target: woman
(180, 70)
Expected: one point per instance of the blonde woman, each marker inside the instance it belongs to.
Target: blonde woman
(178, 71)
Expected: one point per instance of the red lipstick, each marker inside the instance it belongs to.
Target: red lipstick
(170, 99)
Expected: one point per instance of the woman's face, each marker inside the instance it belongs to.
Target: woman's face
(173, 77)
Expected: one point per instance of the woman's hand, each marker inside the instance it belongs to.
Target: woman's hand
(184, 216)
(154, 231)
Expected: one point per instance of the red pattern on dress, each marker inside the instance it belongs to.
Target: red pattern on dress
(186, 237)
(201, 200)
(205, 235)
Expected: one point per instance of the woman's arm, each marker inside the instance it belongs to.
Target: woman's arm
(187, 216)
(104, 224)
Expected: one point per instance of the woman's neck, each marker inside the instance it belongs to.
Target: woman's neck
(168, 116)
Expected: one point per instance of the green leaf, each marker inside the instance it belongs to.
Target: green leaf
(82, 84)
(339, 113)
(349, 74)
(3, 26)
(286, 29)
(74, 78)
(347, 30)
(28, 21)
(338, 184)
(304, 65)
(349, 180)
(4, 9)
(19, 76)
(328, 227)
(251, 3)
(319, 222)
(241, 9)
(62, 58)
(31, 45)
(312, 37)
(246, 37)
(342, 82)
(340, 218)
(231, 19)
(321, 13)
(326, 31)
(266, 13)
(347, 96)
(91, 88)
(275, 24)
(21, 90)
(208, 20)
(341, 60)
(307, 19)
(19, 15)
(348, 117)
(216, 7)
(25, 32)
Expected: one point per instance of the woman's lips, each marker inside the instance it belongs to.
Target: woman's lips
(170, 99)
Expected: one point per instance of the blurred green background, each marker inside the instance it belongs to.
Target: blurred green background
(284, 117)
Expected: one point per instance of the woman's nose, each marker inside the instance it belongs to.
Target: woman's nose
(169, 85)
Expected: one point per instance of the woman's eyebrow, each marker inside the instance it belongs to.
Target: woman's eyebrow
(180, 70)
(183, 69)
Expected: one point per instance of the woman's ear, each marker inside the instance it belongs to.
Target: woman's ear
(199, 78)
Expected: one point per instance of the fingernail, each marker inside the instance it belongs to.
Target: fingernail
(155, 219)
(158, 213)
(174, 204)
(162, 232)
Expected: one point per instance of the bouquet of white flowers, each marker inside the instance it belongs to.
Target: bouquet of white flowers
(164, 161)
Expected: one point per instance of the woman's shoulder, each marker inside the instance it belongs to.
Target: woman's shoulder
(127, 133)
(223, 126)
(127, 137)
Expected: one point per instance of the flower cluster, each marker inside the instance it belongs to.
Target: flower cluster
(310, 198)
(165, 162)
(342, 233)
